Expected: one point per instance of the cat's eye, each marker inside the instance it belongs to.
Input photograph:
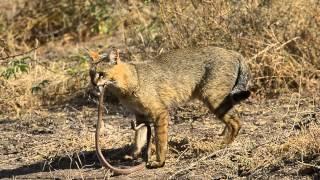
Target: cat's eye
(101, 74)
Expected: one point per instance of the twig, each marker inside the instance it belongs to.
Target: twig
(182, 154)
(197, 162)
(307, 164)
(20, 54)
(287, 42)
(272, 46)
(264, 50)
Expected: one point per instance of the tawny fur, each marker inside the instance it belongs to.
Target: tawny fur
(216, 76)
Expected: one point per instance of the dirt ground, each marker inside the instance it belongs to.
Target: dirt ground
(280, 134)
(279, 138)
(58, 143)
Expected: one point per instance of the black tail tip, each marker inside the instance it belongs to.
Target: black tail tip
(240, 96)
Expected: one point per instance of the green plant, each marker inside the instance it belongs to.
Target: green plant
(15, 67)
(39, 86)
(100, 12)
(80, 64)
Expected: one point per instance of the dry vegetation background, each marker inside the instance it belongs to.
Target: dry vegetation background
(44, 75)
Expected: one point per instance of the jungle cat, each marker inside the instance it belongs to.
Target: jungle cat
(216, 76)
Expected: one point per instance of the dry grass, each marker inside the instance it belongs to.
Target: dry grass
(280, 40)
(275, 37)
(58, 68)
(302, 145)
(45, 83)
(281, 141)
(43, 21)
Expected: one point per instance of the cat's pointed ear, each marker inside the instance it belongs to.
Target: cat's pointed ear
(114, 56)
(94, 56)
